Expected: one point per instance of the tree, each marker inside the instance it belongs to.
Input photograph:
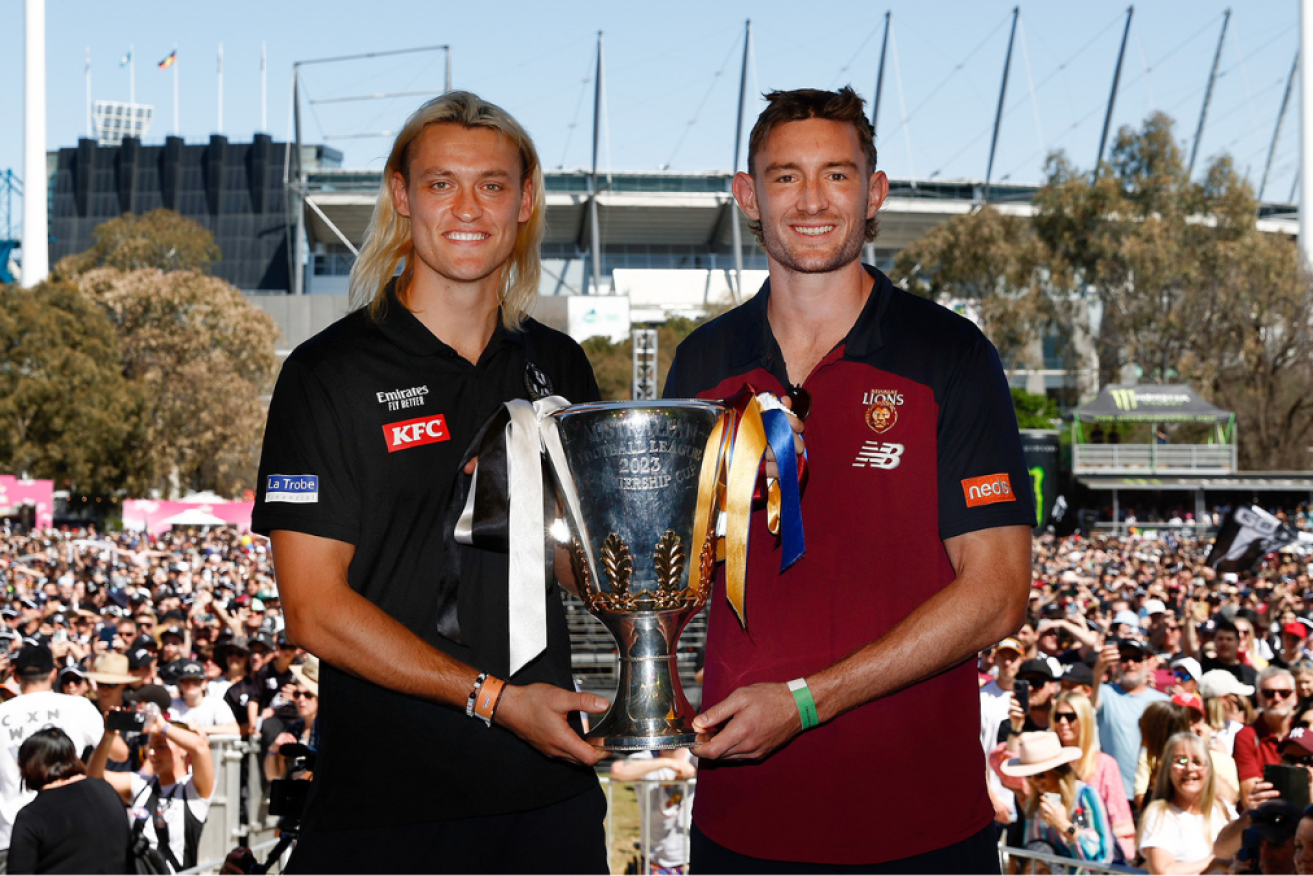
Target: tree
(1034, 411)
(613, 363)
(66, 410)
(1187, 288)
(203, 357)
(159, 239)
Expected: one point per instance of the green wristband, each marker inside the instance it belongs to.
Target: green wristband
(802, 695)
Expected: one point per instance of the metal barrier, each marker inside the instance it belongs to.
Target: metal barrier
(1027, 861)
(227, 826)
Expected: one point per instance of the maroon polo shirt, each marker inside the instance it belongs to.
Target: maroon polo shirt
(911, 439)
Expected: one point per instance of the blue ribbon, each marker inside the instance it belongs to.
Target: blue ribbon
(779, 434)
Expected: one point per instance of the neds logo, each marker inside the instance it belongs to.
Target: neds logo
(988, 489)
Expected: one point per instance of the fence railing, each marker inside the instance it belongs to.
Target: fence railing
(1032, 861)
(1153, 458)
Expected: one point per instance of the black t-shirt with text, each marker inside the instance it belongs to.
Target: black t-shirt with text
(367, 426)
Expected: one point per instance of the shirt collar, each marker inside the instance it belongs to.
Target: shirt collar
(404, 329)
(756, 344)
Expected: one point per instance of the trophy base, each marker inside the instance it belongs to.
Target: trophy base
(647, 743)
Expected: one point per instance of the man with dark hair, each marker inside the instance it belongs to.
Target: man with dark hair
(363, 452)
(909, 418)
(37, 707)
(1226, 639)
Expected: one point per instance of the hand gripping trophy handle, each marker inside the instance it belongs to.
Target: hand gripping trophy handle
(642, 484)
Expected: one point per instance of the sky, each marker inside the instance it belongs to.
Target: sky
(672, 71)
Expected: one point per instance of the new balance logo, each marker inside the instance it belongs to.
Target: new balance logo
(875, 454)
(413, 433)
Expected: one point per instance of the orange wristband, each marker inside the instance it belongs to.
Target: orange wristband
(485, 705)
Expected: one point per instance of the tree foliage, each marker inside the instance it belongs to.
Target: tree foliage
(160, 239)
(1183, 285)
(203, 357)
(67, 412)
(613, 364)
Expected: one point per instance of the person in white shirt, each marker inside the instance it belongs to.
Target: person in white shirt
(193, 707)
(665, 803)
(175, 800)
(35, 708)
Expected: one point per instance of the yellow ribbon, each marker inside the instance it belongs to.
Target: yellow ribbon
(708, 490)
(749, 446)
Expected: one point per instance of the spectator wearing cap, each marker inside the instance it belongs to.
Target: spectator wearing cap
(37, 707)
(1065, 641)
(1275, 822)
(1120, 704)
(306, 696)
(1038, 674)
(996, 699)
(72, 682)
(1228, 705)
(1077, 678)
(1074, 826)
(275, 683)
(141, 663)
(1304, 844)
(175, 649)
(1257, 744)
(194, 707)
(1125, 624)
(1294, 645)
(1187, 672)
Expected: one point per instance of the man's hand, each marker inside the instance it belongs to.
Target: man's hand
(762, 718)
(280, 740)
(1110, 656)
(537, 714)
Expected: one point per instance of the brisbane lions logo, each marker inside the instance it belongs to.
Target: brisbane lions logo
(882, 409)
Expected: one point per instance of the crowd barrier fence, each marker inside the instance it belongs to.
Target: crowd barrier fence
(1029, 861)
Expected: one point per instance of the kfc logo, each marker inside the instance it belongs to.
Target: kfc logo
(413, 433)
(988, 489)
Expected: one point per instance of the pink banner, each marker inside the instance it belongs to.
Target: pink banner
(158, 517)
(15, 493)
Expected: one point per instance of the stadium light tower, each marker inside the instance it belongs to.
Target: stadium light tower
(36, 219)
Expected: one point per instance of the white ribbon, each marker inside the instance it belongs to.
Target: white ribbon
(526, 434)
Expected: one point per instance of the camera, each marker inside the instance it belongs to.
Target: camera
(126, 721)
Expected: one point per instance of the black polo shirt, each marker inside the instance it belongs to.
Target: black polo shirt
(366, 429)
(911, 440)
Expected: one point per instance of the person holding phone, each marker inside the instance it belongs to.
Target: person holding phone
(1258, 744)
(1063, 814)
(1178, 828)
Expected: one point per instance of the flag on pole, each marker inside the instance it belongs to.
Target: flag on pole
(126, 59)
(170, 60)
(1246, 536)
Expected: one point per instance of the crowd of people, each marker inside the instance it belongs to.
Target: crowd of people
(1150, 711)
(120, 656)
(1154, 712)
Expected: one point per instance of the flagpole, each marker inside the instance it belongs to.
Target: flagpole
(220, 88)
(88, 71)
(176, 127)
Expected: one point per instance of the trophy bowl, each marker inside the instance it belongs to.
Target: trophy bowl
(640, 483)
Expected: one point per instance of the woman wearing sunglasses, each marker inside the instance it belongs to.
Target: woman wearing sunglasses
(1062, 812)
(1178, 828)
(1074, 721)
(306, 697)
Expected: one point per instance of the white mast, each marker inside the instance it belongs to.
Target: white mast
(36, 218)
(1305, 132)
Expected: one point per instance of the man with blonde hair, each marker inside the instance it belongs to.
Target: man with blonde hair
(433, 756)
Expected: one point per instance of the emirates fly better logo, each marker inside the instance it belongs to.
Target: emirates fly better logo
(417, 432)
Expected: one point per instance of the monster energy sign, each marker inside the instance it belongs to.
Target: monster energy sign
(1041, 449)
(1150, 403)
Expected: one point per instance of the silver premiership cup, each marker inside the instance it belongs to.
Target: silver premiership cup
(640, 483)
